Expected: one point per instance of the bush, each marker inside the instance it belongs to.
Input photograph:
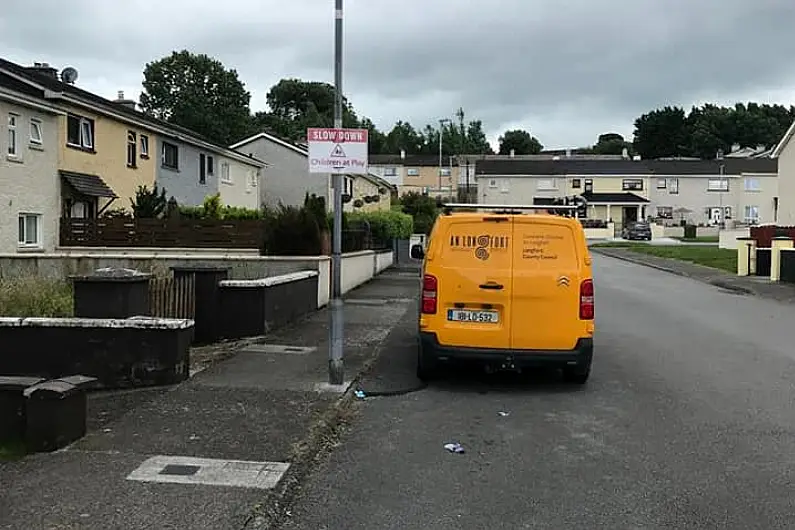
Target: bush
(212, 209)
(292, 231)
(35, 297)
(384, 225)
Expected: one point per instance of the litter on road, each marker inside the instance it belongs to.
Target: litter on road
(454, 447)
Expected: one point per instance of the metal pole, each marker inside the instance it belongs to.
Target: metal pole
(441, 134)
(720, 219)
(336, 372)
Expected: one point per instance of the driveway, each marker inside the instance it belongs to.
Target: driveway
(687, 422)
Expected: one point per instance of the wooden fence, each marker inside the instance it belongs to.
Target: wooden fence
(765, 234)
(163, 233)
(172, 297)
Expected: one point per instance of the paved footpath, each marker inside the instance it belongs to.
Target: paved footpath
(223, 450)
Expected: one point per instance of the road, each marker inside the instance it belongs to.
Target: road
(687, 422)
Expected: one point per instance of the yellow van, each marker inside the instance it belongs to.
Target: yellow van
(507, 286)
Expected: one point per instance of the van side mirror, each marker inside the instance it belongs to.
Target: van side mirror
(417, 252)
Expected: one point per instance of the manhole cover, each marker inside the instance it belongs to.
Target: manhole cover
(211, 472)
(179, 469)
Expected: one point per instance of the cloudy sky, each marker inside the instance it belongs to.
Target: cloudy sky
(567, 70)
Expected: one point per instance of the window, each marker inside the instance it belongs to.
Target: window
(445, 171)
(252, 178)
(80, 132)
(132, 145)
(493, 183)
(390, 172)
(144, 146)
(661, 184)
(546, 184)
(202, 169)
(29, 228)
(225, 175)
(576, 183)
(727, 212)
(35, 132)
(752, 184)
(718, 185)
(170, 156)
(12, 135)
(752, 214)
(210, 165)
(588, 185)
(348, 186)
(665, 212)
(632, 184)
(673, 186)
(504, 186)
(413, 172)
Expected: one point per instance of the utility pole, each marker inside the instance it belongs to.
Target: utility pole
(442, 121)
(336, 329)
(721, 223)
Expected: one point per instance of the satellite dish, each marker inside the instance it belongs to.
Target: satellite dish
(69, 75)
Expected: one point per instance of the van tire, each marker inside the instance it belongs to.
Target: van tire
(427, 367)
(576, 375)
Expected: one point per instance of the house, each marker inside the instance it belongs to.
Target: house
(107, 149)
(708, 192)
(784, 153)
(418, 173)
(28, 172)
(288, 179)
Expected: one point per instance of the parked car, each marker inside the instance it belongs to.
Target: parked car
(637, 231)
(509, 289)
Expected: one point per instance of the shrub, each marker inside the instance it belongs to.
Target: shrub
(212, 209)
(292, 231)
(35, 297)
(385, 225)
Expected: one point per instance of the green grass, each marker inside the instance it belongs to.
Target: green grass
(699, 239)
(35, 297)
(717, 258)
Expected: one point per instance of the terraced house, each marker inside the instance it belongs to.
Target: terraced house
(733, 191)
(100, 151)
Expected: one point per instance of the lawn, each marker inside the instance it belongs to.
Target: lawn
(35, 297)
(717, 258)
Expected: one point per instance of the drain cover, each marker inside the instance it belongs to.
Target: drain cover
(179, 469)
(278, 348)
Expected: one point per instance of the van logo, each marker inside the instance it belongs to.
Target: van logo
(563, 280)
(483, 245)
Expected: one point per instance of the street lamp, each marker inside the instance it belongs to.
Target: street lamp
(442, 122)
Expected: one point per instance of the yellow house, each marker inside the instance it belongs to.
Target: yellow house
(98, 148)
(368, 193)
(419, 173)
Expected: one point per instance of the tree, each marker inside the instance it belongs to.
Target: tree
(422, 209)
(662, 133)
(197, 92)
(295, 105)
(520, 142)
(611, 144)
(149, 204)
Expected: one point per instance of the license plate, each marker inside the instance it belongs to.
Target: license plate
(467, 315)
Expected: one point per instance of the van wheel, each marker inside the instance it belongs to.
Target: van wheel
(576, 375)
(427, 367)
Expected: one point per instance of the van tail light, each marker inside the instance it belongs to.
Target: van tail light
(586, 300)
(430, 288)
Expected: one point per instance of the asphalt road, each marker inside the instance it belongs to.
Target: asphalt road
(687, 422)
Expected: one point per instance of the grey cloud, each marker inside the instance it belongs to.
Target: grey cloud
(566, 70)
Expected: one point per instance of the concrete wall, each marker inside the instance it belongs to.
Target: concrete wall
(357, 269)
(383, 260)
(600, 233)
(29, 181)
(728, 238)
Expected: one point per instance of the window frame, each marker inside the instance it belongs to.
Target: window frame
(202, 169)
(22, 235)
(747, 218)
(752, 189)
(226, 172)
(662, 183)
(723, 185)
(551, 186)
(144, 139)
(673, 186)
(37, 125)
(626, 185)
(412, 172)
(164, 159)
(132, 149)
(85, 131)
(13, 136)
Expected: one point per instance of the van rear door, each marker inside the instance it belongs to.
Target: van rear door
(474, 281)
(546, 284)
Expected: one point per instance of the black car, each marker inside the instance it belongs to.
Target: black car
(637, 231)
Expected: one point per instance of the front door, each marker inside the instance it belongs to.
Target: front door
(630, 214)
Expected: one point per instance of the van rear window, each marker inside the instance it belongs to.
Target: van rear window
(545, 246)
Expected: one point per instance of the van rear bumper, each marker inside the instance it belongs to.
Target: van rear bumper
(580, 356)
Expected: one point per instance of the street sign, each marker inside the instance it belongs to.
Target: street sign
(337, 151)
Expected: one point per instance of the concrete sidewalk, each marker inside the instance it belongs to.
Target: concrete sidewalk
(751, 285)
(223, 450)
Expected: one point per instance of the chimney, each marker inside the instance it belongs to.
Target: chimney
(568, 153)
(129, 103)
(513, 153)
(402, 154)
(43, 69)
